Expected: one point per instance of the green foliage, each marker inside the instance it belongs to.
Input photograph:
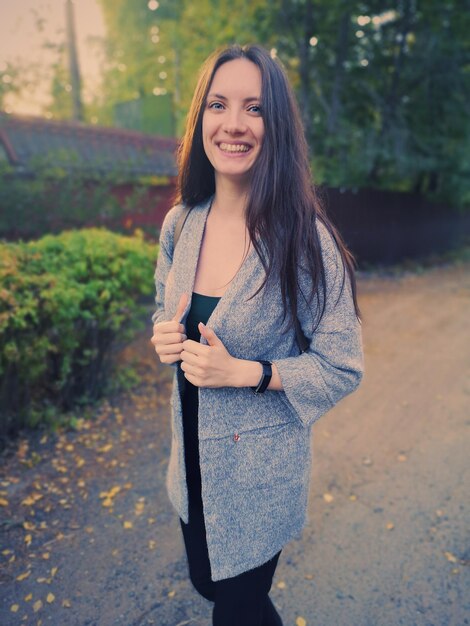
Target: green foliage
(16, 77)
(152, 52)
(66, 302)
(382, 91)
(381, 86)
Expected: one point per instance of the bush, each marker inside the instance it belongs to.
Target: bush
(66, 302)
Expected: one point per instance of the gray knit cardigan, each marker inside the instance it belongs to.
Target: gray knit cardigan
(255, 450)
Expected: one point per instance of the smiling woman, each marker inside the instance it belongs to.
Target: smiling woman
(257, 265)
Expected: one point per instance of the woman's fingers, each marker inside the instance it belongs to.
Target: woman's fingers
(168, 338)
(169, 358)
(191, 369)
(168, 327)
(170, 353)
(191, 358)
(172, 348)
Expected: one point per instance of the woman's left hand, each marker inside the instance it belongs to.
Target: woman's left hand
(207, 366)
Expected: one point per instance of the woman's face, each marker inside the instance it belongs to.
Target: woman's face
(232, 123)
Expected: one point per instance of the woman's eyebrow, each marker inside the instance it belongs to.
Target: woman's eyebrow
(219, 96)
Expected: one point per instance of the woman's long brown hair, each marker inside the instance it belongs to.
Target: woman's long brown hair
(283, 204)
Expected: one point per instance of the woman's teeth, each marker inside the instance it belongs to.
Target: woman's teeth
(228, 147)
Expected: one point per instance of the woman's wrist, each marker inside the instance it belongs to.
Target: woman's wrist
(248, 373)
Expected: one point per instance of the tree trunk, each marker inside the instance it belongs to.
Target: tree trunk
(75, 80)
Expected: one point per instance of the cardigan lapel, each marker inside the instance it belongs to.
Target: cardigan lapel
(186, 253)
(186, 258)
(234, 293)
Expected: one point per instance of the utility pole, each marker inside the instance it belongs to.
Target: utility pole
(73, 63)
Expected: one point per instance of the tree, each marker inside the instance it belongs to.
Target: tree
(381, 87)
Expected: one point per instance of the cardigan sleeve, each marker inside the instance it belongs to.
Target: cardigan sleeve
(332, 366)
(164, 261)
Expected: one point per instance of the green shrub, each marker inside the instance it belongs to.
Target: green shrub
(66, 301)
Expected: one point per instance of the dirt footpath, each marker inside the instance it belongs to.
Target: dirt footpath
(88, 537)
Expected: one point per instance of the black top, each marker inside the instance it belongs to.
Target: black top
(200, 311)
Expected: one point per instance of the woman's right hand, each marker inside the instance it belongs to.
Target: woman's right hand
(168, 336)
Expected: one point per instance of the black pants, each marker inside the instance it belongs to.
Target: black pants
(239, 601)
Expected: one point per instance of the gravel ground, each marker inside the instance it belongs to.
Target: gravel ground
(89, 538)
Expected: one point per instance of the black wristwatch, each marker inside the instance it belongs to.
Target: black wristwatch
(265, 378)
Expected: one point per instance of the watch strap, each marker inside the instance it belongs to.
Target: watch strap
(265, 378)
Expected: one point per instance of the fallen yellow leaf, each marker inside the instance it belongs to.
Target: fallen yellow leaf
(37, 605)
(45, 555)
(28, 539)
(54, 571)
(300, 621)
(28, 597)
(24, 575)
(30, 500)
(450, 557)
(328, 497)
(281, 585)
(390, 526)
(50, 597)
(66, 603)
(3, 502)
(171, 594)
(14, 608)
(127, 524)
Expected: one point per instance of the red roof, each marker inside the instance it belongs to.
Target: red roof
(81, 147)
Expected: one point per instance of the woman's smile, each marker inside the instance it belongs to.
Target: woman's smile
(235, 148)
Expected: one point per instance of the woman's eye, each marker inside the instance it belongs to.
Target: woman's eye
(254, 108)
(216, 105)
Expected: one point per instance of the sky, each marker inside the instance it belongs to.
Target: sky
(21, 40)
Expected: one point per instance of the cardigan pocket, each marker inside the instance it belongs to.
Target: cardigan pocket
(268, 456)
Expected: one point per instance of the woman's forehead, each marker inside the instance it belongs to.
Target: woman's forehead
(236, 77)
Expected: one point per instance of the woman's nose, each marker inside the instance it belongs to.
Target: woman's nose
(234, 123)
